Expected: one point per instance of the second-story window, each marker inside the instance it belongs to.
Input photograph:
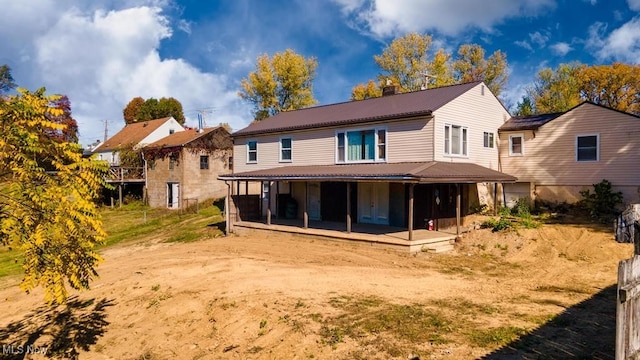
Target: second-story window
(172, 162)
(252, 151)
(367, 145)
(285, 150)
(455, 140)
(204, 162)
(488, 140)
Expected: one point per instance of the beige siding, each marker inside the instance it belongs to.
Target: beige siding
(549, 159)
(407, 140)
(479, 113)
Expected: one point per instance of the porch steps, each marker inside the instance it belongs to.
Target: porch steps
(439, 247)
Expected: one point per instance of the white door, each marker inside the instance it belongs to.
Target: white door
(173, 195)
(373, 203)
(314, 201)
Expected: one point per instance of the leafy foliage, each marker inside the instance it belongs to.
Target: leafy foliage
(281, 83)
(471, 65)
(6, 80)
(70, 131)
(130, 156)
(556, 90)
(405, 61)
(366, 91)
(511, 219)
(151, 109)
(50, 216)
(603, 202)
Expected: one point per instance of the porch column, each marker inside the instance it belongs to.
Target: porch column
(410, 225)
(348, 207)
(237, 187)
(246, 187)
(457, 211)
(269, 203)
(277, 196)
(120, 194)
(305, 215)
(227, 210)
(495, 199)
(260, 199)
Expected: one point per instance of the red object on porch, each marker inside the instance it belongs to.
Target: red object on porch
(430, 225)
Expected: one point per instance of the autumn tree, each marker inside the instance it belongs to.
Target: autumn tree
(616, 86)
(556, 90)
(139, 109)
(6, 80)
(525, 107)
(366, 91)
(281, 83)
(472, 65)
(69, 133)
(48, 218)
(405, 61)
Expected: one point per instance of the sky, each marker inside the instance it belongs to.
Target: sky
(103, 53)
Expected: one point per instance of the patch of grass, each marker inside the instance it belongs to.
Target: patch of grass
(226, 306)
(331, 335)
(466, 307)
(498, 336)
(563, 289)
(255, 349)
(155, 287)
(185, 237)
(10, 262)
(158, 299)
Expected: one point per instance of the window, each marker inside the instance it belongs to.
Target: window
(587, 148)
(488, 140)
(368, 145)
(230, 162)
(171, 131)
(204, 162)
(455, 140)
(172, 162)
(516, 145)
(252, 151)
(285, 150)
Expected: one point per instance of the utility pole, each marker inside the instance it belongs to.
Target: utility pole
(106, 129)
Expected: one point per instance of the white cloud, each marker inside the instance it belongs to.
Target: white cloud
(387, 18)
(539, 38)
(102, 59)
(561, 48)
(634, 5)
(524, 44)
(621, 44)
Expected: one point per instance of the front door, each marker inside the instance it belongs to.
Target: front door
(373, 203)
(173, 195)
(314, 200)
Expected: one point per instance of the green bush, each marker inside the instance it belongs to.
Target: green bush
(603, 202)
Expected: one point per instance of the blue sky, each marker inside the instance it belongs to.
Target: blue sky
(102, 53)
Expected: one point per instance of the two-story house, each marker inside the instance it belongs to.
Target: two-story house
(555, 156)
(399, 160)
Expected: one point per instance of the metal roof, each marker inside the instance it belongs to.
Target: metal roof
(417, 103)
(530, 122)
(131, 134)
(419, 172)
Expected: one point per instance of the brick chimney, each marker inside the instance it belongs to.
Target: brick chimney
(390, 89)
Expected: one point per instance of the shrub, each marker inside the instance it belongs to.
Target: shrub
(603, 203)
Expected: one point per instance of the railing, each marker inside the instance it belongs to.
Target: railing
(124, 174)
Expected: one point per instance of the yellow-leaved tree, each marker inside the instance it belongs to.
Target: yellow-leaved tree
(281, 83)
(47, 192)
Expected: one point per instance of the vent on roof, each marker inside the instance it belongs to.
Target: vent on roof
(390, 90)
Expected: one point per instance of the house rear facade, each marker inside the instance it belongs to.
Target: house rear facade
(555, 156)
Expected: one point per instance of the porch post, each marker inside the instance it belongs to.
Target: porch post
(457, 210)
(348, 207)
(495, 199)
(410, 225)
(260, 199)
(246, 187)
(227, 210)
(120, 194)
(269, 204)
(277, 196)
(237, 187)
(305, 215)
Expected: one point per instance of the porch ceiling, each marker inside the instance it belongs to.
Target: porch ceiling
(416, 172)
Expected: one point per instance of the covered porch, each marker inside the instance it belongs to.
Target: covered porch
(393, 204)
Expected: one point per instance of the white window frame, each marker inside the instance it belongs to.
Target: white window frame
(597, 147)
(250, 151)
(488, 135)
(511, 137)
(463, 142)
(290, 149)
(376, 156)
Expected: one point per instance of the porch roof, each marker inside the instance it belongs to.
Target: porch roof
(416, 172)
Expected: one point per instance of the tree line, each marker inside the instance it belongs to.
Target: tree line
(285, 81)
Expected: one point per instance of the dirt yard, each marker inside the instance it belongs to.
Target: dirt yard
(542, 293)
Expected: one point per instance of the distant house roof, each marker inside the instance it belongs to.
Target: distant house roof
(131, 134)
(416, 103)
(422, 172)
(530, 122)
(182, 138)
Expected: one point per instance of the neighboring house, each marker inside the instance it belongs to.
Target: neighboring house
(397, 160)
(182, 168)
(136, 134)
(555, 156)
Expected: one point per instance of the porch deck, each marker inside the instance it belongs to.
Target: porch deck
(374, 235)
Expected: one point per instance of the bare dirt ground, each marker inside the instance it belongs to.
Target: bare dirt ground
(540, 294)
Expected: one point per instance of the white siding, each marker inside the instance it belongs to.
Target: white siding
(162, 131)
(479, 113)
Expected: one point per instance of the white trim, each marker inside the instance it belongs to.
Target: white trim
(256, 150)
(447, 150)
(376, 158)
(280, 159)
(521, 153)
(492, 136)
(597, 135)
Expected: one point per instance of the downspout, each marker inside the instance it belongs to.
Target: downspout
(144, 173)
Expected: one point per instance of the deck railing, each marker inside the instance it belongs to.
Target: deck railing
(124, 174)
